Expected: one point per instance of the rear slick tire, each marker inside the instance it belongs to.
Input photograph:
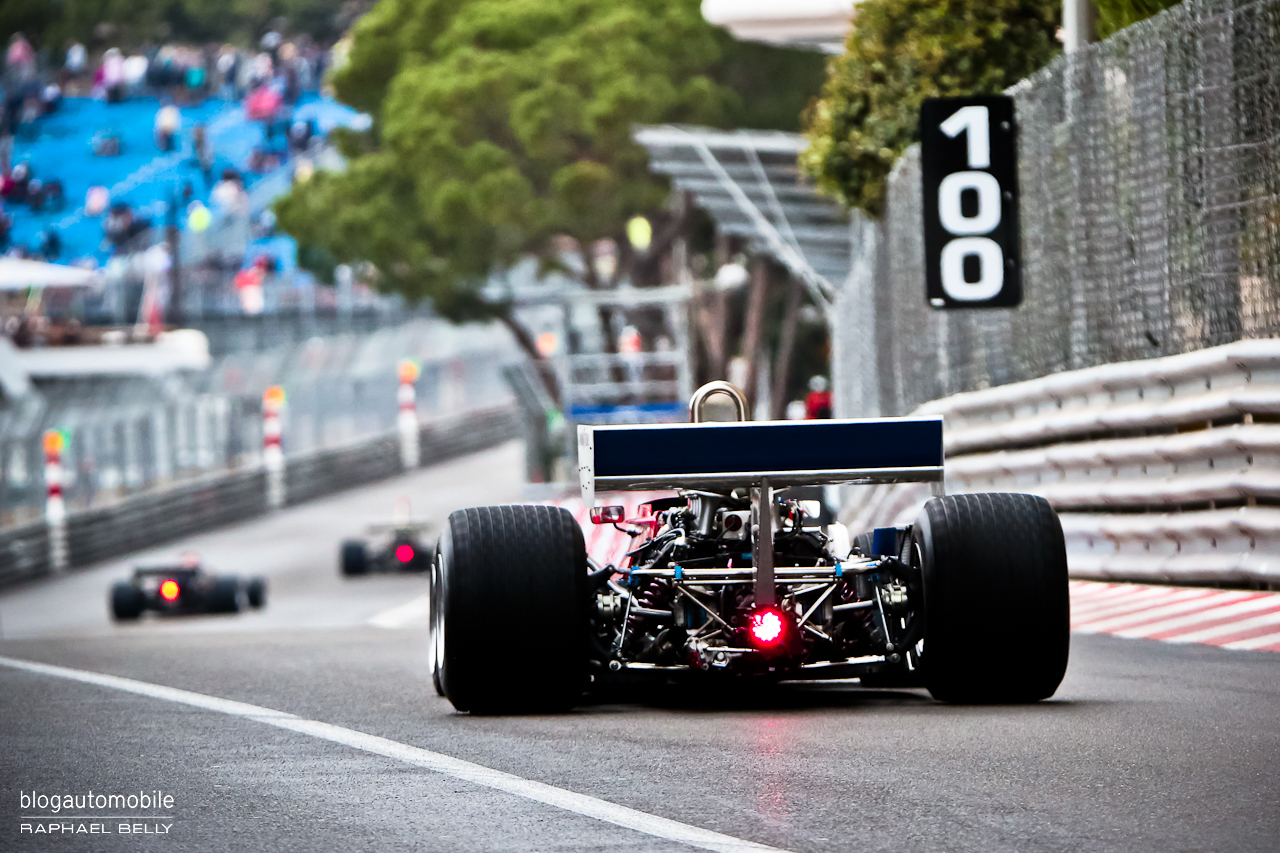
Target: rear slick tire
(997, 612)
(509, 610)
(127, 602)
(354, 559)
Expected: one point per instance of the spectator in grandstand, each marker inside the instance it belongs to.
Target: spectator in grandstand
(20, 61)
(263, 160)
(6, 226)
(203, 150)
(300, 135)
(228, 194)
(6, 138)
(76, 56)
(50, 98)
(135, 73)
(194, 80)
(112, 83)
(818, 402)
(106, 143)
(13, 187)
(50, 245)
(228, 73)
(122, 226)
(168, 125)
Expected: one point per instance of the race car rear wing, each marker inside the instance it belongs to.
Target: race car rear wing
(724, 456)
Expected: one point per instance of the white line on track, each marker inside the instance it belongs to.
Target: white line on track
(659, 827)
(415, 612)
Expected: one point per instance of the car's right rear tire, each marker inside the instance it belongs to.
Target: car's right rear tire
(127, 601)
(996, 606)
(355, 557)
(509, 615)
(225, 596)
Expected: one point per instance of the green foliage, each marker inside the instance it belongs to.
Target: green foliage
(1114, 15)
(901, 52)
(500, 126)
(133, 22)
(772, 85)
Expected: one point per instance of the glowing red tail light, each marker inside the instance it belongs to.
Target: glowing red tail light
(766, 627)
(606, 514)
(404, 553)
(169, 590)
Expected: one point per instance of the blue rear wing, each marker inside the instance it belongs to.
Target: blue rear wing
(723, 456)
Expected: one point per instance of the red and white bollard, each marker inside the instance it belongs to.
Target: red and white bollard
(273, 400)
(55, 512)
(407, 422)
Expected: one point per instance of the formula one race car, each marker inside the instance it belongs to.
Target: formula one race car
(730, 579)
(403, 549)
(184, 589)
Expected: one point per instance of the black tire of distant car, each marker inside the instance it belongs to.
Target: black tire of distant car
(255, 591)
(354, 557)
(996, 607)
(509, 610)
(224, 596)
(127, 601)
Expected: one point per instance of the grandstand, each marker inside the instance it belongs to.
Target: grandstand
(142, 176)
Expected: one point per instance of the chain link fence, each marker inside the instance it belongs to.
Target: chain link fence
(1150, 182)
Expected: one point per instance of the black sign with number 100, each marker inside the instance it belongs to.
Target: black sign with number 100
(969, 166)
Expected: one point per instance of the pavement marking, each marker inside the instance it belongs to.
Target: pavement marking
(1232, 619)
(415, 612)
(602, 810)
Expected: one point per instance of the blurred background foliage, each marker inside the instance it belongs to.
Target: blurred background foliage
(103, 23)
(901, 52)
(502, 127)
(1115, 15)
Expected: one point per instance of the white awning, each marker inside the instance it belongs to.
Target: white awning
(19, 274)
(749, 183)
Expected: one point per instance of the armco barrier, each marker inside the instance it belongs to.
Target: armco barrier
(1162, 470)
(24, 553)
(163, 516)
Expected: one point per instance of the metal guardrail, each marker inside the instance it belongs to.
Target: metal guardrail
(166, 515)
(1162, 470)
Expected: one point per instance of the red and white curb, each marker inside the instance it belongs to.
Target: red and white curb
(1232, 619)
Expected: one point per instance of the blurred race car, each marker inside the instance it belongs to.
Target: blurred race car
(402, 546)
(731, 580)
(184, 589)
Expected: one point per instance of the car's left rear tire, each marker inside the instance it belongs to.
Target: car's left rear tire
(127, 602)
(509, 610)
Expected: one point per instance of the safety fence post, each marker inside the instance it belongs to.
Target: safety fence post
(273, 400)
(408, 418)
(55, 508)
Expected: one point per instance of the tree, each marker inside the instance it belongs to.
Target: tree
(1115, 15)
(503, 130)
(899, 53)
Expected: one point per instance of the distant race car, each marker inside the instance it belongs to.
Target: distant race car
(402, 546)
(729, 579)
(184, 589)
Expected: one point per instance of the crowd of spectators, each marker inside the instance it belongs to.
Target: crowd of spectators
(267, 81)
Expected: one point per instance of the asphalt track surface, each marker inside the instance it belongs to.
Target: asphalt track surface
(1147, 746)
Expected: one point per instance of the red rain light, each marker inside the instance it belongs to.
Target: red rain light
(766, 627)
(169, 590)
(404, 553)
(606, 514)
